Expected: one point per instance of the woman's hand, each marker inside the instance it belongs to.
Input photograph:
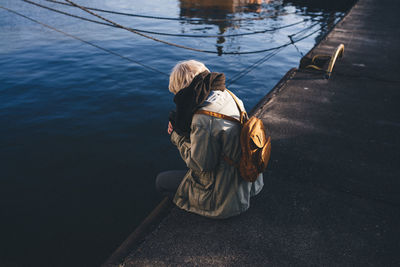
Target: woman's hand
(170, 128)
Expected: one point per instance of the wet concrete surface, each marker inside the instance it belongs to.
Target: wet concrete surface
(332, 189)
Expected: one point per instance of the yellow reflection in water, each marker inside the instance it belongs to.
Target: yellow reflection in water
(221, 12)
(230, 6)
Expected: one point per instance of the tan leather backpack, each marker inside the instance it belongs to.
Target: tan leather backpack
(255, 145)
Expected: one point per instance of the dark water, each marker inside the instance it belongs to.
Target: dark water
(83, 132)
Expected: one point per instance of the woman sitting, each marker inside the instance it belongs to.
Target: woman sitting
(212, 186)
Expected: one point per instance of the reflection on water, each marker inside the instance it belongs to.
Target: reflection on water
(222, 13)
(207, 7)
(325, 10)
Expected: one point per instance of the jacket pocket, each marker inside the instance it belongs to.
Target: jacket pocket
(202, 193)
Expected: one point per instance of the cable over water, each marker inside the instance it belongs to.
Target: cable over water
(245, 71)
(84, 41)
(178, 45)
(168, 34)
(265, 58)
(175, 19)
(230, 81)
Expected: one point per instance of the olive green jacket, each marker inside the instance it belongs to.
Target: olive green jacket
(212, 187)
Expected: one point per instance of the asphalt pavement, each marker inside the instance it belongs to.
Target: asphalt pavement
(332, 188)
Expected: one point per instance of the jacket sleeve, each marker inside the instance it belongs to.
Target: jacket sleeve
(202, 152)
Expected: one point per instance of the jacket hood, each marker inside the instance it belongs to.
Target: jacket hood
(222, 102)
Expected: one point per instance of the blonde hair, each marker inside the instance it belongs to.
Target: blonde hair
(183, 73)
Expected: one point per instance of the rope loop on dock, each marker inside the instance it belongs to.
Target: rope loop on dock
(319, 61)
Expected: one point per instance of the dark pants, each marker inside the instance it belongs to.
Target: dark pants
(168, 182)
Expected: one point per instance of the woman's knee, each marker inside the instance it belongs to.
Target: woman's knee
(169, 180)
(159, 182)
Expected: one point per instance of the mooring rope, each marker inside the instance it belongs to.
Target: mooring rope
(230, 81)
(167, 34)
(175, 19)
(245, 71)
(265, 58)
(84, 41)
(66, 13)
(178, 45)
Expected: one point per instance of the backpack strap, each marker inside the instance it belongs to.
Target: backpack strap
(243, 114)
(217, 115)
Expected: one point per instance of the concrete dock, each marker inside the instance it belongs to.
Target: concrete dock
(332, 189)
